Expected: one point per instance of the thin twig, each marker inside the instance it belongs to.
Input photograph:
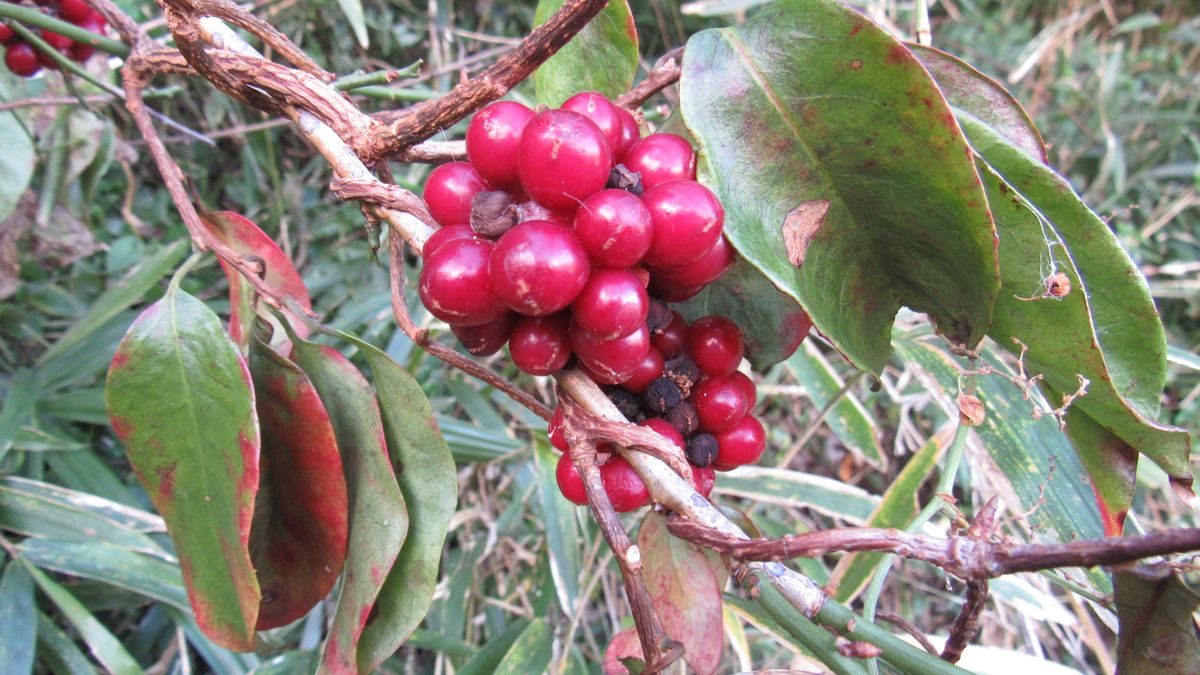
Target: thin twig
(907, 626)
(966, 626)
(664, 73)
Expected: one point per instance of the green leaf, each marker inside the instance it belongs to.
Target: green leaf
(1106, 329)
(353, 10)
(848, 420)
(26, 512)
(974, 93)
(488, 658)
(685, 583)
(179, 399)
(378, 515)
(58, 651)
(773, 324)
(602, 57)
(425, 470)
(560, 525)
(844, 176)
(900, 505)
(19, 619)
(113, 565)
(102, 643)
(16, 162)
(298, 540)
(1158, 633)
(19, 403)
(531, 651)
(119, 296)
(803, 490)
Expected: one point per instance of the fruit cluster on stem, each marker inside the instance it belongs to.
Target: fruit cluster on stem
(24, 60)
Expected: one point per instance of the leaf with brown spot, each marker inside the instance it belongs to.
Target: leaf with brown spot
(800, 225)
(298, 540)
(685, 583)
(1158, 632)
(180, 400)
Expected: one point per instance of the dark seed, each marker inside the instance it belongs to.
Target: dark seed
(622, 178)
(702, 449)
(683, 372)
(662, 395)
(684, 418)
(629, 403)
(492, 213)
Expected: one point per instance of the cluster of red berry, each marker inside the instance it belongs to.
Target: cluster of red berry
(691, 392)
(24, 60)
(564, 236)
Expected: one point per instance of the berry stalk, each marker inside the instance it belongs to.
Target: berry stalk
(32, 17)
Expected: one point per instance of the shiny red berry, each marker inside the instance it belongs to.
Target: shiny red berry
(485, 339)
(74, 11)
(541, 345)
(704, 479)
(647, 371)
(455, 286)
(705, 270)
(615, 228)
(715, 344)
(22, 59)
(625, 488)
(563, 158)
(555, 430)
(493, 138)
(570, 483)
(612, 304)
(449, 191)
(661, 158)
(538, 268)
(629, 135)
(611, 361)
(671, 338)
(663, 427)
(7, 34)
(445, 235)
(687, 219)
(743, 444)
(601, 111)
(720, 403)
(669, 292)
(748, 387)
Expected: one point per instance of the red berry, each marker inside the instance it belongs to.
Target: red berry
(663, 427)
(720, 403)
(59, 42)
(625, 488)
(612, 304)
(707, 269)
(687, 222)
(74, 11)
(611, 361)
(647, 371)
(570, 483)
(615, 228)
(540, 345)
(629, 135)
(671, 338)
(601, 111)
(669, 292)
(454, 283)
(704, 479)
(22, 59)
(7, 35)
(748, 387)
(538, 268)
(82, 51)
(493, 138)
(661, 158)
(715, 344)
(446, 235)
(742, 444)
(531, 210)
(555, 430)
(449, 191)
(485, 339)
(563, 158)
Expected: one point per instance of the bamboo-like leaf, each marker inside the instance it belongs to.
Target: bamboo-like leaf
(16, 162)
(18, 617)
(562, 532)
(795, 489)
(28, 513)
(848, 419)
(113, 565)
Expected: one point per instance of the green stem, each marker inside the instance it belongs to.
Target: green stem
(901, 655)
(361, 79)
(186, 267)
(61, 60)
(33, 17)
(816, 639)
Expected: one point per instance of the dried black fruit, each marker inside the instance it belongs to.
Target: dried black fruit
(629, 403)
(662, 395)
(683, 372)
(684, 418)
(702, 450)
(492, 213)
(659, 315)
(622, 178)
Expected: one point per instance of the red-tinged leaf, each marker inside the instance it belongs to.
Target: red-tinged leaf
(179, 398)
(298, 540)
(974, 93)
(625, 648)
(1111, 464)
(425, 470)
(844, 176)
(378, 515)
(685, 583)
(1158, 632)
(246, 239)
